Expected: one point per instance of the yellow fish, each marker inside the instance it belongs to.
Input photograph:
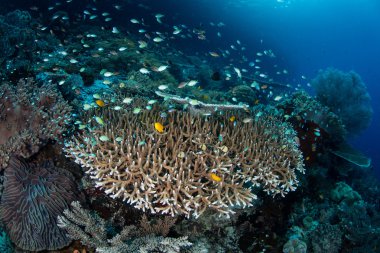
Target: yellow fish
(232, 118)
(159, 127)
(100, 103)
(215, 177)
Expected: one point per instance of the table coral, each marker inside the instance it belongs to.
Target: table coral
(30, 116)
(171, 172)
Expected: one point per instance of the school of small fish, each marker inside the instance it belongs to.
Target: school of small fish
(239, 62)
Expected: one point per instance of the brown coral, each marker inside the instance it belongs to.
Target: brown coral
(195, 164)
(30, 116)
(33, 197)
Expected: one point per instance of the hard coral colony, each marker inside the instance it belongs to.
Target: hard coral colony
(211, 172)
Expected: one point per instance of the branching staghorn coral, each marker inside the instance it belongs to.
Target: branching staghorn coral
(193, 164)
(91, 230)
(160, 227)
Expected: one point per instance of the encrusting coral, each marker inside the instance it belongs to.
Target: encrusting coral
(30, 116)
(192, 164)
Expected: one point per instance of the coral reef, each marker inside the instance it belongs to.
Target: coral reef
(326, 238)
(303, 107)
(192, 164)
(91, 229)
(336, 220)
(205, 171)
(16, 36)
(346, 95)
(343, 192)
(360, 226)
(245, 94)
(22, 46)
(34, 195)
(295, 246)
(316, 126)
(217, 234)
(30, 116)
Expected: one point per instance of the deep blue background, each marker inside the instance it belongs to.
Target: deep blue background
(306, 36)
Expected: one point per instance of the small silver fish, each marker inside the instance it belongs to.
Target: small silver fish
(104, 138)
(158, 39)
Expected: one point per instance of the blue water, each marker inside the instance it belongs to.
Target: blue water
(305, 35)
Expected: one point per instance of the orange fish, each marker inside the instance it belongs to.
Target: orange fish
(100, 103)
(159, 127)
(215, 177)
